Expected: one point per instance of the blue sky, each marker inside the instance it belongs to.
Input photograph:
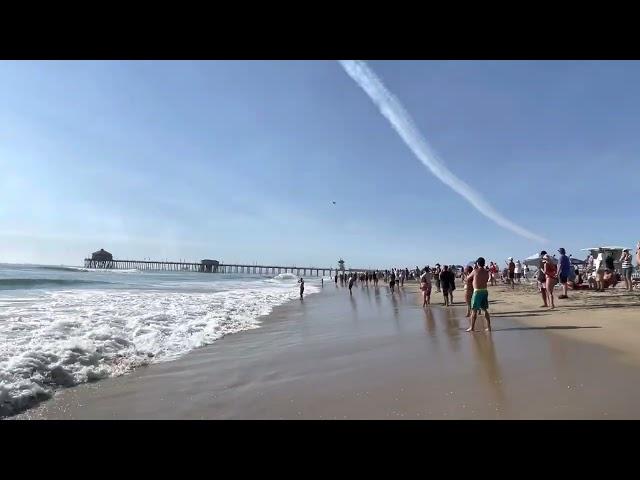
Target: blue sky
(241, 160)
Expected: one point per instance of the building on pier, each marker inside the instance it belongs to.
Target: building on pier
(209, 266)
(101, 259)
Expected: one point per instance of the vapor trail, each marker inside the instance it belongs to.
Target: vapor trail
(401, 121)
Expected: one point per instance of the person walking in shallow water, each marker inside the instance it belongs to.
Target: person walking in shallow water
(351, 280)
(301, 282)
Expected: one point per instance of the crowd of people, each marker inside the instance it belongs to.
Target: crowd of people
(475, 279)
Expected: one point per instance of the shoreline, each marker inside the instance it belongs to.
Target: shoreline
(378, 356)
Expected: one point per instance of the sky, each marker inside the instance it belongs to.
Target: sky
(241, 161)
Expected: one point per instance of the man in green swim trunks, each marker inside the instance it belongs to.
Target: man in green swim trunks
(480, 298)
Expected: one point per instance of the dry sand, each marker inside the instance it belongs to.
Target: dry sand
(378, 356)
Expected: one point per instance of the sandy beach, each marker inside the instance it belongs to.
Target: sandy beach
(378, 356)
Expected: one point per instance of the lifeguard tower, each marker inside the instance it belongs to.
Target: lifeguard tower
(341, 265)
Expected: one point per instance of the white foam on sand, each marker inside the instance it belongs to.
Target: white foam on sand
(69, 337)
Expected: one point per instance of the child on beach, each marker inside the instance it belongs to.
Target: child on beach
(425, 286)
(468, 288)
(480, 298)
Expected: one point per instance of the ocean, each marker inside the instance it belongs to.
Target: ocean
(61, 326)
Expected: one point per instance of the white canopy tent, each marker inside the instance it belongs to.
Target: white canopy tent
(615, 252)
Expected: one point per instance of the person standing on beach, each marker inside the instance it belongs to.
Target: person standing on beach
(336, 279)
(542, 280)
(564, 271)
(512, 273)
(425, 286)
(444, 284)
(468, 286)
(493, 272)
(351, 280)
(436, 278)
(301, 282)
(392, 282)
(518, 270)
(480, 298)
(551, 275)
(627, 269)
(608, 263)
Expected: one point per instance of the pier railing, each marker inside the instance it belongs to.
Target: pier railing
(215, 268)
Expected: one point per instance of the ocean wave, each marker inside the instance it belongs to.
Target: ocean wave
(287, 277)
(25, 283)
(63, 268)
(58, 268)
(69, 338)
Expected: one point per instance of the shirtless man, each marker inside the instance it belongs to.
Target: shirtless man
(480, 299)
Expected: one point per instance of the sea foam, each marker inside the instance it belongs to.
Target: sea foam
(64, 338)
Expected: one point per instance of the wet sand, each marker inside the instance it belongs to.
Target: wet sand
(377, 356)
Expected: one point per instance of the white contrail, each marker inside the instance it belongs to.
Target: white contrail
(400, 120)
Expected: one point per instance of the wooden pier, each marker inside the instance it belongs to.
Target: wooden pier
(211, 266)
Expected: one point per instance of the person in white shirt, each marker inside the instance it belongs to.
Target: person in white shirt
(518, 270)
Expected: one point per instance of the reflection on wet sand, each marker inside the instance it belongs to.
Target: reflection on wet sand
(396, 311)
(430, 324)
(453, 329)
(486, 358)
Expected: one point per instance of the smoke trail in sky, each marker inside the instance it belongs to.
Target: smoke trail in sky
(400, 120)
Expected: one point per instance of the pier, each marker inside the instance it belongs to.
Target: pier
(104, 260)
